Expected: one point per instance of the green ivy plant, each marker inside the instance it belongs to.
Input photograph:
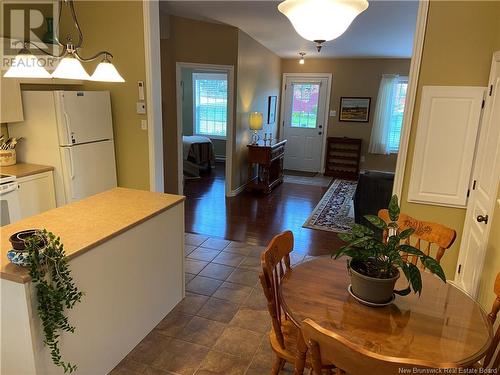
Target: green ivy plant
(382, 259)
(55, 290)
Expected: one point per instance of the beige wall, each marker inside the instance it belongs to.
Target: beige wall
(117, 26)
(459, 43)
(259, 76)
(354, 77)
(194, 42)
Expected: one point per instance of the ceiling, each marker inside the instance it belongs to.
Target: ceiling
(385, 29)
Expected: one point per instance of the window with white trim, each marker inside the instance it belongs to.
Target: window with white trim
(210, 104)
(396, 118)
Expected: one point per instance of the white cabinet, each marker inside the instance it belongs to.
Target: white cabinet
(36, 194)
(445, 145)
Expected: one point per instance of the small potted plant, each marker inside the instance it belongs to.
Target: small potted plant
(375, 264)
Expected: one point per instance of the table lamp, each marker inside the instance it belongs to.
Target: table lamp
(255, 122)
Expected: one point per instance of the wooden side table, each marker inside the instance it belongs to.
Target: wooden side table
(269, 160)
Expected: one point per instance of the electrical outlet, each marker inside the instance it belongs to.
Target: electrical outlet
(141, 108)
(144, 124)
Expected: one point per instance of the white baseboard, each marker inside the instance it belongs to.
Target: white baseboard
(234, 193)
(220, 158)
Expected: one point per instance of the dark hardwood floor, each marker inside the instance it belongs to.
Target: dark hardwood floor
(255, 218)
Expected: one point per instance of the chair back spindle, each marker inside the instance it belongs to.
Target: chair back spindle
(426, 237)
(275, 262)
(491, 360)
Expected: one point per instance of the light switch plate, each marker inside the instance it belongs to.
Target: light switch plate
(144, 124)
(333, 113)
(140, 86)
(141, 108)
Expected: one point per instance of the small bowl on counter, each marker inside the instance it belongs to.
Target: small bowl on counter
(19, 255)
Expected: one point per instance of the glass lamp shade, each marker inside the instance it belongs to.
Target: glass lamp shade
(322, 20)
(70, 68)
(106, 72)
(302, 61)
(255, 121)
(26, 65)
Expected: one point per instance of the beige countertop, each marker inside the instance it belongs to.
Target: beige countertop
(86, 224)
(24, 169)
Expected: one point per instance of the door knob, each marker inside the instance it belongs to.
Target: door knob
(320, 126)
(320, 133)
(481, 219)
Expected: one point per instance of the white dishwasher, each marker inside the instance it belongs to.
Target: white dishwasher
(9, 201)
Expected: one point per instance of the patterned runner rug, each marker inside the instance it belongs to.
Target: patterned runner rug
(335, 211)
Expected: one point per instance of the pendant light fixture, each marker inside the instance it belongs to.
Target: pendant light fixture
(70, 66)
(26, 65)
(302, 61)
(321, 20)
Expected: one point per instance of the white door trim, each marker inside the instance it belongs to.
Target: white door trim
(151, 16)
(230, 118)
(418, 46)
(329, 77)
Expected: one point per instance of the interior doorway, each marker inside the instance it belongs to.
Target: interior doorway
(204, 126)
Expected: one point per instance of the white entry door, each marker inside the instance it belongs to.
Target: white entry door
(483, 190)
(303, 123)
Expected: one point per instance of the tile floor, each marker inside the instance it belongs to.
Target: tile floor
(221, 325)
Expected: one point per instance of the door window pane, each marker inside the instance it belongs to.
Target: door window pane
(210, 101)
(305, 105)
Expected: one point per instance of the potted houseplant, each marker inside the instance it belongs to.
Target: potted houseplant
(56, 291)
(375, 264)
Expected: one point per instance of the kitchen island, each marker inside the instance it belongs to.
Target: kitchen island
(125, 249)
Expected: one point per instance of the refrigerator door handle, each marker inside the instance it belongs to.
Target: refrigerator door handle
(71, 167)
(68, 131)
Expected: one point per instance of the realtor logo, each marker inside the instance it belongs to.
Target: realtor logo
(28, 21)
(31, 22)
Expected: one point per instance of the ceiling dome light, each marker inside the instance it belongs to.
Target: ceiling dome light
(26, 65)
(322, 20)
(70, 68)
(106, 72)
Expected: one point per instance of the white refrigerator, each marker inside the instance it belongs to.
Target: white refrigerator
(73, 132)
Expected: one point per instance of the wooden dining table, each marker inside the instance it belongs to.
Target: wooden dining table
(443, 325)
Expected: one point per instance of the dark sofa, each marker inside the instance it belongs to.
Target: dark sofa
(373, 193)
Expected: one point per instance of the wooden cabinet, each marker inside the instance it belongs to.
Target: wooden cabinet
(36, 194)
(267, 159)
(342, 157)
(11, 109)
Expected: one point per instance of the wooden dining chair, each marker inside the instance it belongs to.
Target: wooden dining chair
(492, 358)
(427, 237)
(284, 335)
(329, 348)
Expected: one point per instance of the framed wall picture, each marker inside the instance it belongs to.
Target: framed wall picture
(271, 109)
(354, 109)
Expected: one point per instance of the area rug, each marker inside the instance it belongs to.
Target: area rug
(334, 213)
(318, 180)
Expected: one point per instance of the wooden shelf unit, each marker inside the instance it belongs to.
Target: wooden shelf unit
(342, 157)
